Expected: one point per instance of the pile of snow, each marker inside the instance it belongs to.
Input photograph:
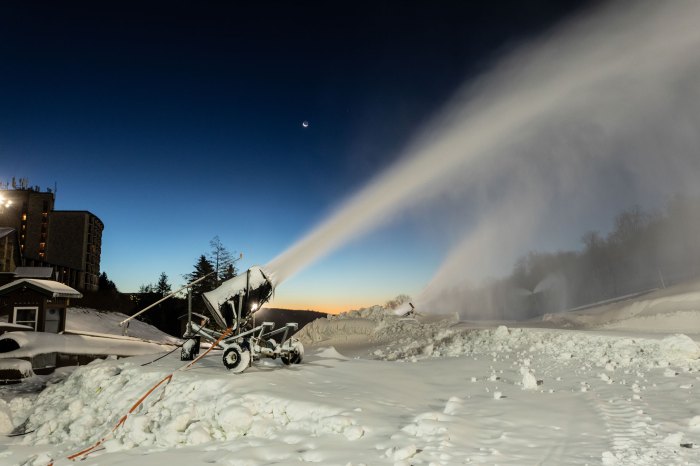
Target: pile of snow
(374, 325)
(190, 411)
(578, 347)
(6, 424)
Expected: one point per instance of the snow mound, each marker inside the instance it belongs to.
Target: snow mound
(6, 424)
(375, 324)
(588, 348)
(680, 346)
(191, 410)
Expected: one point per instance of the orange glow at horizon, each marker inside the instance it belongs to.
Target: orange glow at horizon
(319, 305)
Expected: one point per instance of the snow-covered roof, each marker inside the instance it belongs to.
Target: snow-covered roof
(49, 287)
(4, 231)
(33, 272)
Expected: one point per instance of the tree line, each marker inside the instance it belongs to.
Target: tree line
(218, 265)
(645, 250)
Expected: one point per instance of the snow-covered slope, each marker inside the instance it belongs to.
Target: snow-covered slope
(669, 310)
(90, 321)
(416, 393)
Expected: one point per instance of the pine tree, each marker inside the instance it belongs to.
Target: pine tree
(146, 288)
(105, 284)
(229, 272)
(163, 287)
(202, 268)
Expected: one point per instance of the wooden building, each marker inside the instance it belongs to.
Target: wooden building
(40, 304)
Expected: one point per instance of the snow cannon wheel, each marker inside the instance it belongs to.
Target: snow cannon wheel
(294, 353)
(236, 359)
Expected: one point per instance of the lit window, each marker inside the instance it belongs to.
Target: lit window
(24, 217)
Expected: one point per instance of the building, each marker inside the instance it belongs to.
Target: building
(68, 241)
(38, 304)
(75, 243)
(10, 256)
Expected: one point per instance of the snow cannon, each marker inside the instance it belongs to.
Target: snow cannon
(233, 305)
(237, 299)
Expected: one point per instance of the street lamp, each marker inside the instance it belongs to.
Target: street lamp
(4, 203)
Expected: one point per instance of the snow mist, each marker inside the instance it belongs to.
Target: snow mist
(601, 113)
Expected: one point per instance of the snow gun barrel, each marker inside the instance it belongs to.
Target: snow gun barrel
(239, 297)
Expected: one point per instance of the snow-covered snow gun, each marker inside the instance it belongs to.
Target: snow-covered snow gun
(233, 306)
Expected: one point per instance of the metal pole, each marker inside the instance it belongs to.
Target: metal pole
(189, 311)
(238, 314)
(121, 324)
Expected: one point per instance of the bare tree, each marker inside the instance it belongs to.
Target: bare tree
(222, 260)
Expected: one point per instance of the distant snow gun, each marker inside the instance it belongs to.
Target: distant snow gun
(233, 306)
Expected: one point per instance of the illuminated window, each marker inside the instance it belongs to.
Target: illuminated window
(24, 217)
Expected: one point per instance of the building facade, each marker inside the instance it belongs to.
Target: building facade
(68, 241)
(9, 250)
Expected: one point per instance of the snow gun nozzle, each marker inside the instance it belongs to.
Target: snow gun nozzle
(240, 296)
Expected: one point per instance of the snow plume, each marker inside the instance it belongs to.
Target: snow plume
(600, 114)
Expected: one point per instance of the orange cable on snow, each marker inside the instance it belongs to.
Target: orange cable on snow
(166, 380)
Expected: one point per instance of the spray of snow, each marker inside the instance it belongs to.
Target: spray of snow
(546, 138)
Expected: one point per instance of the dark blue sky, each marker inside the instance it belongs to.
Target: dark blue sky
(177, 121)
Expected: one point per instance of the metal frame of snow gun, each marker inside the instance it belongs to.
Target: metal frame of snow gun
(233, 306)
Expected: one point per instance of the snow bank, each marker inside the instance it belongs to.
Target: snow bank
(23, 367)
(35, 343)
(579, 347)
(190, 411)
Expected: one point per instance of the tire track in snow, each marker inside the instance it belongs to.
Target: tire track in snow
(633, 437)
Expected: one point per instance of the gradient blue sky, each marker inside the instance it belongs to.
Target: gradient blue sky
(178, 121)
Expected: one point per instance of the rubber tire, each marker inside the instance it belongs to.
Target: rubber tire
(295, 355)
(236, 359)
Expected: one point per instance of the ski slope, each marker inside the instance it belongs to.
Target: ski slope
(376, 389)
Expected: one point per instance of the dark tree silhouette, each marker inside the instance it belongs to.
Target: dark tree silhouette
(203, 268)
(222, 261)
(163, 287)
(105, 284)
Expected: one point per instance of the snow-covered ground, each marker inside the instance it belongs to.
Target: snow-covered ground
(90, 322)
(374, 389)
